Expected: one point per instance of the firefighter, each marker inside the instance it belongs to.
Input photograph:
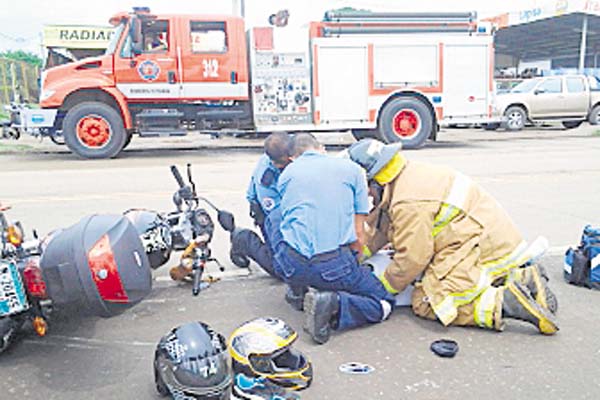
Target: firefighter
(454, 241)
(321, 198)
(263, 197)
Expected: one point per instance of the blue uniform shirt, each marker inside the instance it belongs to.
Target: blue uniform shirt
(263, 185)
(319, 197)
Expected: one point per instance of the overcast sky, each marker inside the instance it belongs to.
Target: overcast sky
(21, 21)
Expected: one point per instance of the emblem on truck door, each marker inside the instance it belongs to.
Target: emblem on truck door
(148, 70)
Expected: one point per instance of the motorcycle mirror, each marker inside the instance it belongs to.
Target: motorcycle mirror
(189, 174)
(177, 200)
(226, 220)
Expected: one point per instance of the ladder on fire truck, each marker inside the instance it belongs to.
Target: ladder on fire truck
(340, 23)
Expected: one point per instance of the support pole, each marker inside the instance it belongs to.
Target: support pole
(582, 47)
(239, 8)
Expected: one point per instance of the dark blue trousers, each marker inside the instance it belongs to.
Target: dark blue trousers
(259, 251)
(360, 292)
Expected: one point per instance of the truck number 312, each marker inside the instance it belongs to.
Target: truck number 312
(211, 68)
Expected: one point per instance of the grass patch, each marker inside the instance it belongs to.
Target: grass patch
(596, 133)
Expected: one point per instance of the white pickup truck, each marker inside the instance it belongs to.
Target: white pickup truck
(570, 99)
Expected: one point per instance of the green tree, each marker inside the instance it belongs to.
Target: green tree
(20, 55)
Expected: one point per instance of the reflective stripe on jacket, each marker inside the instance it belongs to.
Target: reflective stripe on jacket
(444, 225)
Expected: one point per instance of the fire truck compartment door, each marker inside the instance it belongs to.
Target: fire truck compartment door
(343, 83)
(466, 80)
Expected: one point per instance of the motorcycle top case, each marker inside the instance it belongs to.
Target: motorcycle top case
(98, 264)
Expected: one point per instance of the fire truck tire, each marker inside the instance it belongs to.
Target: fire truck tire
(94, 130)
(127, 140)
(364, 133)
(407, 120)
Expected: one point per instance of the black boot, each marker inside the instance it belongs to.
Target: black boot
(295, 297)
(237, 253)
(519, 304)
(536, 280)
(320, 314)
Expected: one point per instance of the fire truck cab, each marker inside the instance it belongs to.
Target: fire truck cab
(389, 75)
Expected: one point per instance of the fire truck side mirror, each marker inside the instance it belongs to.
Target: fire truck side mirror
(135, 32)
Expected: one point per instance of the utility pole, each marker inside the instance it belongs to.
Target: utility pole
(239, 8)
(583, 45)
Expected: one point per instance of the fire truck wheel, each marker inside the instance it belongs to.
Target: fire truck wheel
(364, 133)
(94, 130)
(127, 140)
(407, 120)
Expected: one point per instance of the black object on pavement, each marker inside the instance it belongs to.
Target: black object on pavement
(445, 348)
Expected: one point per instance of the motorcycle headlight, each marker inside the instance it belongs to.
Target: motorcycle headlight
(14, 235)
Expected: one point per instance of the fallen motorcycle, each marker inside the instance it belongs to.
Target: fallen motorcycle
(189, 228)
(97, 266)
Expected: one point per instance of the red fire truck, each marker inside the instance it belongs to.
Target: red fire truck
(395, 76)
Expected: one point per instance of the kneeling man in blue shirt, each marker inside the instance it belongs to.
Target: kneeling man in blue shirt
(324, 200)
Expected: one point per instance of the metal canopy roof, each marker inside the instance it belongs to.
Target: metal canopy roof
(550, 38)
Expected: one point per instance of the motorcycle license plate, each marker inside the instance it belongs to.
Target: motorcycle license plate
(12, 293)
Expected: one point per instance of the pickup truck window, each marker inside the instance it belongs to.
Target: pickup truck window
(551, 85)
(575, 85)
(208, 37)
(594, 83)
(525, 86)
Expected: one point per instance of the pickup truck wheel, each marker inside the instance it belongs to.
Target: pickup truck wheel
(515, 118)
(594, 117)
(407, 120)
(571, 124)
(94, 130)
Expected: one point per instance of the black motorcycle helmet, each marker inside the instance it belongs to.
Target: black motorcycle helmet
(192, 362)
(155, 234)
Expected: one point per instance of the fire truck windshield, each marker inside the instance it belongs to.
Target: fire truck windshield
(114, 40)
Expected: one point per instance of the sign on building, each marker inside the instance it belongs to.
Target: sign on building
(77, 36)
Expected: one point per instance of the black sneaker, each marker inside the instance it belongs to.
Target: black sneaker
(320, 313)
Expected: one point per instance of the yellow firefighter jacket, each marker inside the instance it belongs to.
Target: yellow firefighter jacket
(447, 229)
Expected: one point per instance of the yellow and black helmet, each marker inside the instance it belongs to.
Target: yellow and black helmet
(263, 348)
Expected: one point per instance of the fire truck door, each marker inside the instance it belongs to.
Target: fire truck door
(152, 74)
(466, 80)
(214, 60)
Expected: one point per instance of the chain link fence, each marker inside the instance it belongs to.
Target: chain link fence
(18, 82)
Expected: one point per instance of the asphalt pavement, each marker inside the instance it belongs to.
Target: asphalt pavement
(548, 180)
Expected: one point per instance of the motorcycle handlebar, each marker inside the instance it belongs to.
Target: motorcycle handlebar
(177, 176)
